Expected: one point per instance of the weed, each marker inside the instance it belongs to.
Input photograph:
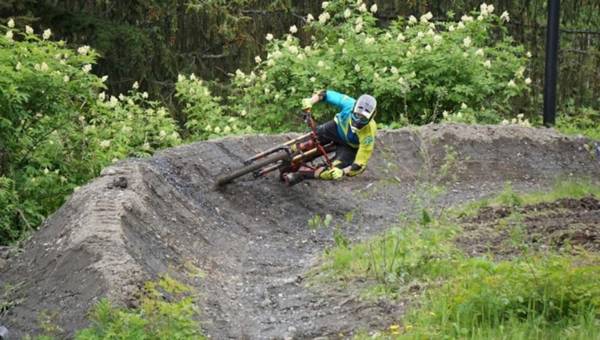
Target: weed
(317, 221)
(509, 197)
(167, 311)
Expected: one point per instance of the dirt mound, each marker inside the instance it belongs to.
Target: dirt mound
(142, 218)
(503, 232)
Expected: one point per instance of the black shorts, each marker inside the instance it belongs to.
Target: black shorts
(344, 153)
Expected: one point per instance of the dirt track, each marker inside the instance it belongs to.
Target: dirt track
(251, 240)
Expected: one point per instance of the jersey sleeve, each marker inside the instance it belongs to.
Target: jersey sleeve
(366, 145)
(341, 101)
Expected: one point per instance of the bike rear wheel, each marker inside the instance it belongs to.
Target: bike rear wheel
(227, 178)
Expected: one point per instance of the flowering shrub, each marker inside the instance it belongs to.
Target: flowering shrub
(416, 68)
(58, 129)
(203, 113)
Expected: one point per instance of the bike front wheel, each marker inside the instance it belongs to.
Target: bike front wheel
(229, 177)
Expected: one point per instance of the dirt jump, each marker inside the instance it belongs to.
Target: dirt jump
(251, 239)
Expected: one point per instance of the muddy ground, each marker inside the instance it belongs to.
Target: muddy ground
(251, 241)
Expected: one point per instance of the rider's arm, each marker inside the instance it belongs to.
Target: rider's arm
(365, 150)
(342, 101)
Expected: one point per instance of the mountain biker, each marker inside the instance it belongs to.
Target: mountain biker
(352, 131)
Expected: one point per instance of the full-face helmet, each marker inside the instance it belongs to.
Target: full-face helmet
(363, 112)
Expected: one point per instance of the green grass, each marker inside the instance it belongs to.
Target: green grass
(167, 311)
(412, 253)
(534, 296)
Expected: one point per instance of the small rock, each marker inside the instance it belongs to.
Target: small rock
(266, 302)
(3, 333)
(108, 171)
(4, 252)
(120, 182)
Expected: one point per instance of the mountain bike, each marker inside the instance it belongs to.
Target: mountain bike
(286, 158)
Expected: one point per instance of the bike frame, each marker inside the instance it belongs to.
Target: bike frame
(281, 156)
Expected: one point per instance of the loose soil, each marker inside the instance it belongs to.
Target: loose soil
(247, 248)
(567, 224)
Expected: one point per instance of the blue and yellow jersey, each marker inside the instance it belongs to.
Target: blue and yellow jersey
(363, 139)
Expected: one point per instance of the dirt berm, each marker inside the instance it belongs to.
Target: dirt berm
(251, 240)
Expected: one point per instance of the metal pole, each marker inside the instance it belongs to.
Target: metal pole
(551, 71)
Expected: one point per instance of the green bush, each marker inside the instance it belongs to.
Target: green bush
(204, 116)
(420, 71)
(582, 121)
(157, 317)
(58, 128)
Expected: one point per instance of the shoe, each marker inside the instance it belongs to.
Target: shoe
(292, 178)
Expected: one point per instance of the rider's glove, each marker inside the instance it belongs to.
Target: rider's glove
(307, 104)
(331, 173)
(355, 170)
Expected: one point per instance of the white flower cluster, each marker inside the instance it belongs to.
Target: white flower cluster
(426, 17)
(505, 16)
(323, 17)
(467, 42)
(466, 18)
(83, 50)
(518, 121)
(359, 25)
(41, 67)
(520, 72)
(485, 10)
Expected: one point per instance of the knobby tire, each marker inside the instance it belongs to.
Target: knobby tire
(227, 178)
